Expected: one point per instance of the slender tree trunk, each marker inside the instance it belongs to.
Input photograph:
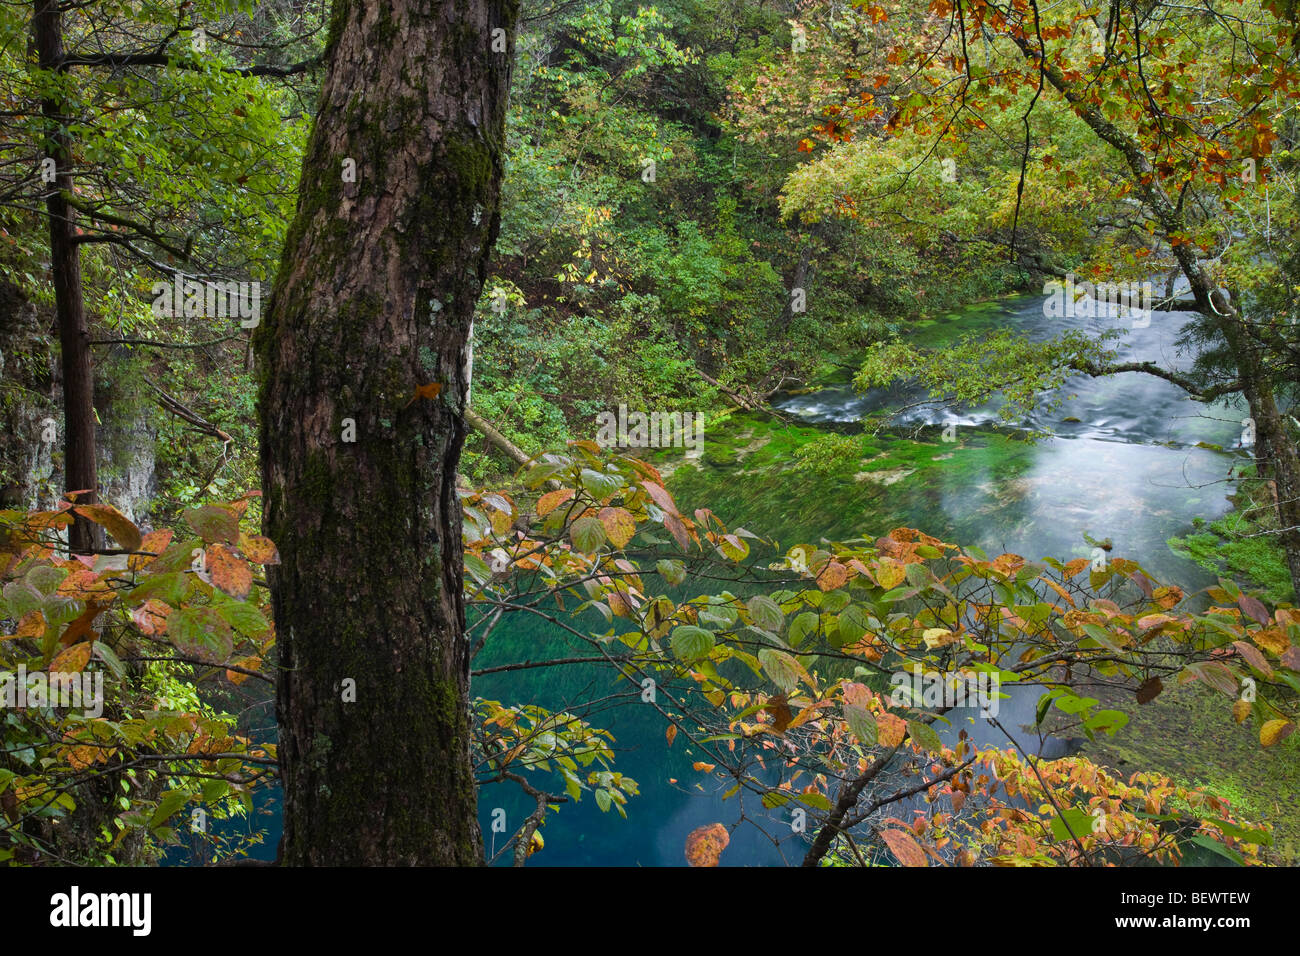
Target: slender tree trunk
(65, 264)
(373, 300)
(1276, 460)
(1277, 455)
(799, 280)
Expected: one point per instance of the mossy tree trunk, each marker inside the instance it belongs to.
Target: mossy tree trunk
(79, 469)
(373, 300)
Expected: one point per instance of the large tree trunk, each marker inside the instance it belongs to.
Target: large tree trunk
(373, 300)
(65, 266)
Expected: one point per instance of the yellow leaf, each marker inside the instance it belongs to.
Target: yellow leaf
(1275, 731)
(619, 525)
(939, 637)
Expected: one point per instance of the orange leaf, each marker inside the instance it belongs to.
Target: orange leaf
(705, 844)
(151, 617)
(31, 625)
(258, 549)
(229, 572)
(552, 500)
(72, 660)
(904, 846)
(114, 522)
(429, 391)
(834, 575)
(155, 542)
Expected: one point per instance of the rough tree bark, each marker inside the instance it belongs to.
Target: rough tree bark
(79, 470)
(373, 300)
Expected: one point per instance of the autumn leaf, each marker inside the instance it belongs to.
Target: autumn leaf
(258, 549)
(151, 617)
(1253, 657)
(892, 729)
(661, 497)
(904, 846)
(114, 522)
(1275, 731)
(833, 576)
(705, 844)
(619, 525)
(552, 500)
(154, 543)
(1149, 690)
(72, 660)
(703, 767)
(229, 572)
(889, 574)
(678, 530)
(429, 391)
(31, 625)
(779, 708)
(80, 626)
(671, 734)
(1254, 608)
(246, 664)
(213, 524)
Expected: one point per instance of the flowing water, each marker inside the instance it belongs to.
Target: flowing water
(1131, 459)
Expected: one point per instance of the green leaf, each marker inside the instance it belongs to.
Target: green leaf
(674, 572)
(765, 613)
(780, 667)
(862, 724)
(1215, 846)
(817, 801)
(923, 735)
(587, 534)
(213, 524)
(691, 643)
(1079, 821)
(801, 627)
(170, 802)
(201, 633)
(852, 626)
(242, 616)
